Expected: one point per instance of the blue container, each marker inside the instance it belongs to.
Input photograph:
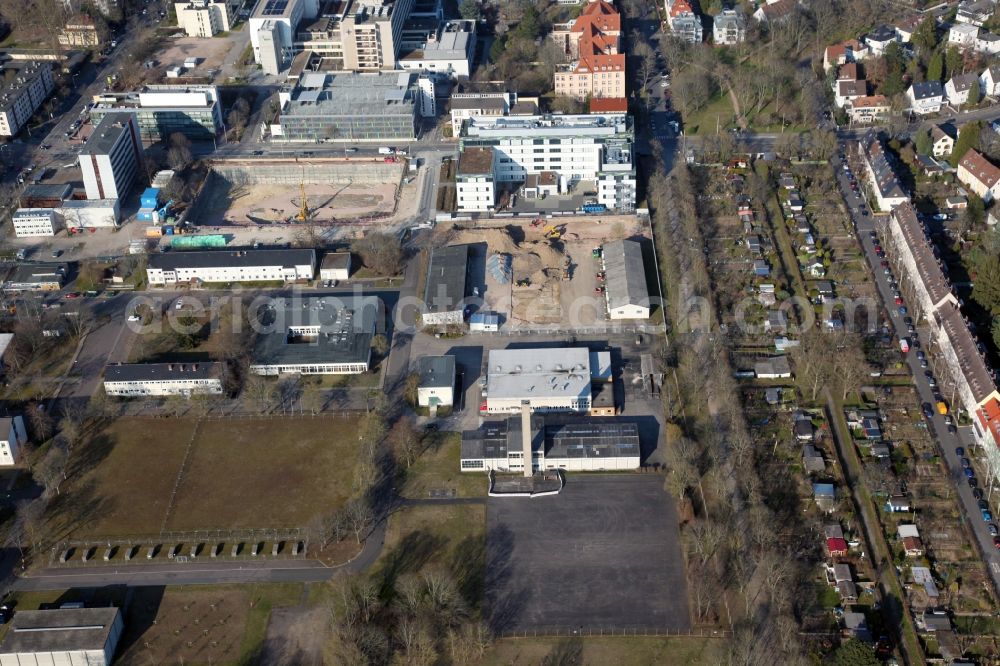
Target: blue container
(168, 231)
(594, 208)
(144, 215)
(150, 197)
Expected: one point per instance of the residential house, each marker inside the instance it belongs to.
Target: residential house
(776, 367)
(848, 91)
(868, 109)
(925, 97)
(684, 22)
(879, 172)
(957, 88)
(844, 52)
(878, 39)
(907, 26)
(775, 12)
(836, 544)
(594, 40)
(980, 175)
(729, 27)
(987, 42)
(942, 139)
(963, 35)
(12, 437)
(990, 80)
(812, 459)
(975, 12)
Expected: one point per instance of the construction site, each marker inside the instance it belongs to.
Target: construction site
(287, 191)
(543, 272)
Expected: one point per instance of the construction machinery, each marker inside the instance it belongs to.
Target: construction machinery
(537, 222)
(303, 204)
(596, 253)
(553, 233)
(566, 273)
(524, 283)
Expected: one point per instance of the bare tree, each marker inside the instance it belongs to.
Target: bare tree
(51, 471)
(358, 514)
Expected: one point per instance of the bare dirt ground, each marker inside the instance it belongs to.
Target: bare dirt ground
(212, 52)
(538, 293)
(225, 204)
(295, 636)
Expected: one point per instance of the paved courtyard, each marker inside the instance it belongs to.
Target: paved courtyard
(602, 554)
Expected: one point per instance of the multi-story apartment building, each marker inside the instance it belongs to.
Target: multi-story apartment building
(593, 40)
(162, 110)
(112, 157)
(881, 177)
(127, 380)
(447, 50)
(980, 175)
(372, 33)
(350, 108)
(227, 266)
(729, 27)
(29, 222)
(572, 148)
(205, 18)
(23, 95)
(82, 31)
(684, 22)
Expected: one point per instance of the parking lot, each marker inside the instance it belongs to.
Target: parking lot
(604, 553)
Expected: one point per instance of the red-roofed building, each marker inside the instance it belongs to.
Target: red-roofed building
(609, 105)
(598, 29)
(981, 175)
(594, 38)
(836, 547)
(840, 54)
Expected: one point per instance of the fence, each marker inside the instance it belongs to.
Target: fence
(585, 632)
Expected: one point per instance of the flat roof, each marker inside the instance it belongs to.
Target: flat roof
(348, 94)
(59, 630)
(107, 133)
(475, 161)
(626, 274)
(585, 439)
(169, 261)
(37, 273)
(538, 373)
(341, 329)
(446, 276)
(47, 191)
(436, 371)
(147, 372)
(336, 260)
(492, 103)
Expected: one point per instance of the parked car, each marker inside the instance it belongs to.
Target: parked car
(993, 531)
(996, 540)
(983, 505)
(987, 517)
(972, 482)
(965, 463)
(969, 473)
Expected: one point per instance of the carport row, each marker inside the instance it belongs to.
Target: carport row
(180, 553)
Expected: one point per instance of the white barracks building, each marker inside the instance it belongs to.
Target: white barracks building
(231, 266)
(142, 379)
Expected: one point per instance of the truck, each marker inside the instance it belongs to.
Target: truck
(594, 208)
(386, 151)
(904, 345)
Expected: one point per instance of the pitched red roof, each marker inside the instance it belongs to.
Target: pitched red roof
(600, 15)
(608, 105)
(836, 545)
(681, 7)
(980, 168)
(601, 63)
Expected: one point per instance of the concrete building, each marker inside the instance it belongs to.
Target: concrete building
(979, 175)
(162, 110)
(437, 381)
(13, 436)
(21, 96)
(880, 174)
(205, 18)
(595, 148)
(112, 157)
(729, 27)
(82, 31)
(79, 214)
(465, 106)
(35, 277)
(372, 34)
(272, 28)
(329, 335)
(158, 379)
(593, 40)
(484, 322)
(444, 294)
(625, 283)
(925, 97)
(684, 22)
(335, 266)
(447, 51)
(556, 380)
(62, 636)
(475, 183)
(228, 266)
(349, 108)
(31, 222)
(586, 446)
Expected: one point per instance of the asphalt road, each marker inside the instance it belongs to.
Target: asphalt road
(947, 441)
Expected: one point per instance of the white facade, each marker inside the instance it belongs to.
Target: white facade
(475, 194)
(989, 80)
(553, 380)
(272, 31)
(23, 95)
(729, 27)
(63, 637)
(447, 52)
(30, 222)
(925, 97)
(225, 267)
(963, 34)
(98, 213)
(426, 102)
(204, 18)
(163, 379)
(111, 159)
(14, 437)
(467, 105)
(336, 267)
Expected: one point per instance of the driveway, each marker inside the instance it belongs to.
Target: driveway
(947, 441)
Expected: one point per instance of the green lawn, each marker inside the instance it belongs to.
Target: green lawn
(703, 121)
(438, 469)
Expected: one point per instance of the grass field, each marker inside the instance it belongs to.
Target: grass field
(635, 651)
(238, 474)
(437, 469)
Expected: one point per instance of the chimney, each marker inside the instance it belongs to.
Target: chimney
(526, 437)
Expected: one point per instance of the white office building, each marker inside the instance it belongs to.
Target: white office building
(228, 266)
(594, 148)
(14, 436)
(22, 95)
(448, 51)
(29, 222)
(126, 380)
(205, 18)
(466, 105)
(547, 380)
(112, 157)
(79, 214)
(272, 31)
(163, 110)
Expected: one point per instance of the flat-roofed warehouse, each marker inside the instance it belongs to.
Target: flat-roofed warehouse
(554, 380)
(231, 266)
(327, 335)
(584, 446)
(446, 280)
(625, 273)
(62, 636)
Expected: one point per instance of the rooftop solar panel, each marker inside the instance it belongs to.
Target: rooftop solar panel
(275, 8)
